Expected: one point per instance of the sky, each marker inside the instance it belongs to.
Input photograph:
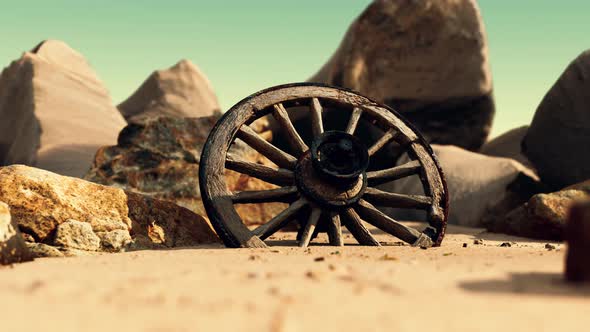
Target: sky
(246, 45)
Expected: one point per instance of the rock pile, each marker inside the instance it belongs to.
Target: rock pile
(74, 215)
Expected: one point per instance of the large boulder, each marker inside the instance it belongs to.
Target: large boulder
(478, 185)
(427, 59)
(12, 246)
(159, 157)
(544, 216)
(508, 145)
(55, 112)
(180, 91)
(560, 130)
(73, 214)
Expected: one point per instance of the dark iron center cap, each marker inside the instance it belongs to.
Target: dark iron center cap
(339, 156)
(332, 173)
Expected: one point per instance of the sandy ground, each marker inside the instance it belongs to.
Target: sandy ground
(394, 288)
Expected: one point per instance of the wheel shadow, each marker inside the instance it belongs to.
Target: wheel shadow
(546, 284)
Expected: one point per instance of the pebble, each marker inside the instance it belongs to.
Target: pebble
(550, 247)
(478, 241)
(464, 245)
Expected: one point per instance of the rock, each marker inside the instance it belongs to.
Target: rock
(508, 145)
(13, 248)
(479, 186)
(159, 223)
(41, 202)
(55, 111)
(578, 238)
(159, 157)
(427, 59)
(74, 234)
(560, 128)
(41, 250)
(180, 91)
(117, 240)
(543, 217)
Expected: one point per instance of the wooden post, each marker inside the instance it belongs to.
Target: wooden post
(578, 239)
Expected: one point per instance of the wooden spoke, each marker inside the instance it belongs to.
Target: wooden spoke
(384, 198)
(395, 173)
(378, 219)
(274, 154)
(386, 138)
(279, 177)
(335, 231)
(310, 227)
(357, 229)
(280, 220)
(317, 124)
(284, 195)
(280, 114)
(354, 120)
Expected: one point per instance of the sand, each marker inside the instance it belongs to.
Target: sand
(395, 288)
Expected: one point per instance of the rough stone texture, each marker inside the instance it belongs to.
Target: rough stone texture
(544, 216)
(159, 157)
(117, 240)
(180, 91)
(41, 250)
(159, 223)
(427, 59)
(12, 246)
(41, 201)
(74, 234)
(55, 111)
(479, 186)
(561, 127)
(508, 145)
(578, 239)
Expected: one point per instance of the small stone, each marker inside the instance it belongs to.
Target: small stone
(319, 259)
(550, 247)
(117, 240)
(464, 245)
(387, 257)
(478, 242)
(74, 234)
(506, 244)
(41, 250)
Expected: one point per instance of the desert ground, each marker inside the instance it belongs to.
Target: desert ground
(481, 287)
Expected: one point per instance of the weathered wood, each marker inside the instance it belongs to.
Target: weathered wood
(279, 177)
(386, 138)
(376, 178)
(384, 198)
(282, 117)
(354, 224)
(577, 267)
(280, 220)
(217, 199)
(274, 154)
(283, 195)
(317, 124)
(354, 120)
(335, 231)
(310, 227)
(378, 219)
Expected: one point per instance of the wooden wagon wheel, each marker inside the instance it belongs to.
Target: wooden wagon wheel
(328, 176)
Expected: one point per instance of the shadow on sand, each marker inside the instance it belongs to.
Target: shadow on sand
(546, 284)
